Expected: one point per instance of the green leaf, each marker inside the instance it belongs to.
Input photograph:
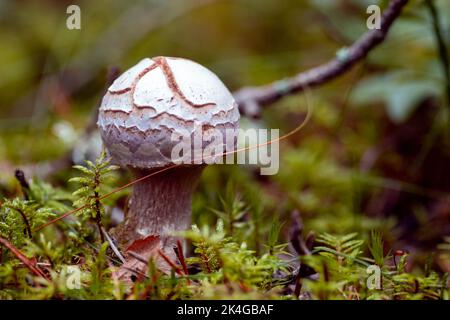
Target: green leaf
(82, 191)
(84, 170)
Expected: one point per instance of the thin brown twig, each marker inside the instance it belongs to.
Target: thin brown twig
(137, 256)
(170, 263)
(250, 99)
(112, 245)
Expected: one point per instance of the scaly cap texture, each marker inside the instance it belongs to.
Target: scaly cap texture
(157, 98)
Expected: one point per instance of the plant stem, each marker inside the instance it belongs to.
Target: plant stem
(98, 216)
(20, 176)
(443, 56)
(27, 223)
(250, 99)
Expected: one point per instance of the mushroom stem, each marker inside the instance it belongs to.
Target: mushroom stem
(161, 204)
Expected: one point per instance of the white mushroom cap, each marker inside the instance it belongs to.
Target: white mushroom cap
(157, 98)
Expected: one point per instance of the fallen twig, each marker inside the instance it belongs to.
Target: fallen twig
(179, 252)
(27, 262)
(250, 99)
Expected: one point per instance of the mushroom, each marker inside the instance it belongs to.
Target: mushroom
(141, 113)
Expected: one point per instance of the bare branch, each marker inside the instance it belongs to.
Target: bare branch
(251, 98)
